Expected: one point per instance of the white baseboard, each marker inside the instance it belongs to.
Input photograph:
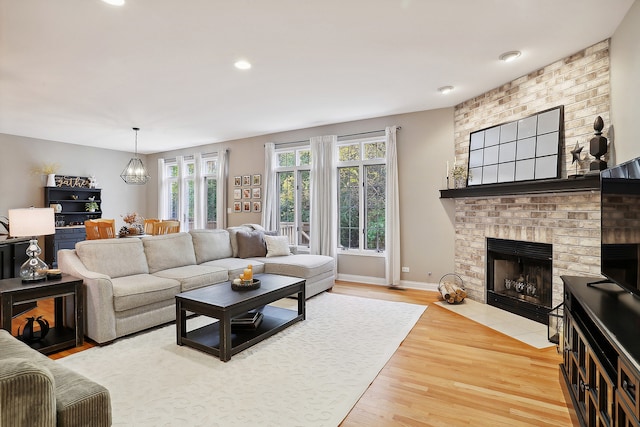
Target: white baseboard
(382, 282)
(362, 279)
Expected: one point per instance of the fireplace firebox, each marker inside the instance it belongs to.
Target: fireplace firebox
(519, 276)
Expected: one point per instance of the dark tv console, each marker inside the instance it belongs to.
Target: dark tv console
(601, 356)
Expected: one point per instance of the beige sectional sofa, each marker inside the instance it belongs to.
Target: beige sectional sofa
(131, 283)
(37, 391)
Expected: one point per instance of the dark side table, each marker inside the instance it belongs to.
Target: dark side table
(62, 334)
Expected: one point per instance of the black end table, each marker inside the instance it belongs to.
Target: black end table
(13, 292)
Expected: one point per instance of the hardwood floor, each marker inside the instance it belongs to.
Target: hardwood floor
(449, 371)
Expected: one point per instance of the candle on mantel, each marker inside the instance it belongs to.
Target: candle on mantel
(447, 168)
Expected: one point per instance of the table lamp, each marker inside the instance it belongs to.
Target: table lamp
(32, 222)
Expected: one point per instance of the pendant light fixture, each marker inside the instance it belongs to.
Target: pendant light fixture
(135, 172)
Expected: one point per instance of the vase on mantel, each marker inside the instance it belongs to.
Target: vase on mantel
(460, 182)
(51, 180)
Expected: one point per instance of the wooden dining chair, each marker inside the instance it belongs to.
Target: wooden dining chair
(166, 227)
(91, 229)
(101, 228)
(148, 225)
(107, 229)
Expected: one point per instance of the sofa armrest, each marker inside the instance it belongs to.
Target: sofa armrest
(98, 289)
(27, 393)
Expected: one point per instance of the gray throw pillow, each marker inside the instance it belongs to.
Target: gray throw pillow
(251, 244)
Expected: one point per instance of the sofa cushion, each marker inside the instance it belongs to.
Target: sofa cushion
(236, 266)
(195, 276)
(301, 265)
(277, 246)
(210, 245)
(168, 251)
(142, 289)
(78, 400)
(113, 257)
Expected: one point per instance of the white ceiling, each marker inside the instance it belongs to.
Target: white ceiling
(85, 72)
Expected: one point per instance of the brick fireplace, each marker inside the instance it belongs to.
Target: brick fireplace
(567, 218)
(568, 221)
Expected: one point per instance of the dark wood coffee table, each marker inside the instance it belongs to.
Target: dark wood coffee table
(221, 302)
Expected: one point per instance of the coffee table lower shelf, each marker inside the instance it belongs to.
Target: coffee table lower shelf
(207, 338)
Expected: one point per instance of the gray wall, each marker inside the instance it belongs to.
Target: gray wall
(426, 228)
(20, 188)
(625, 86)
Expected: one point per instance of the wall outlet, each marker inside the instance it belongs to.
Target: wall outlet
(405, 269)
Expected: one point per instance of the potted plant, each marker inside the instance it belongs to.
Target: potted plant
(460, 176)
(91, 206)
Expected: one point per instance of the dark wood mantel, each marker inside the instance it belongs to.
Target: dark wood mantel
(584, 183)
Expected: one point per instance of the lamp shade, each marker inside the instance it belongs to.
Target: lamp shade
(31, 222)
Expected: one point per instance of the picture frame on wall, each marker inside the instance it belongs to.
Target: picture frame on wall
(237, 207)
(237, 194)
(246, 206)
(246, 193)
(257, 206)
(257, 179)
(246, 180)
(256, 193)
(237, 181)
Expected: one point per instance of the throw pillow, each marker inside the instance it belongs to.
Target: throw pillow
(250, 244)
(277, 245)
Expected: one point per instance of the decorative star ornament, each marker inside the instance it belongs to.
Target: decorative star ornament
(576, 153)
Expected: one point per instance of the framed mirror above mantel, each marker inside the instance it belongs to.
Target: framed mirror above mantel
(527, 149)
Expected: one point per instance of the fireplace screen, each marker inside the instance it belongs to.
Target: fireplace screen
(519, 276)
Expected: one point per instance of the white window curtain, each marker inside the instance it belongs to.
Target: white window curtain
(271, 195)
(324, 196)
(163, 190)
(221, 190)
(392, 233)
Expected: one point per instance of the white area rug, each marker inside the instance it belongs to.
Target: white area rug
(310, 374)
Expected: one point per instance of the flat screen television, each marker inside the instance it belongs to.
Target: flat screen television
(620, 225)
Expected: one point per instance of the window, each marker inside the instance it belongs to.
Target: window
(171, 175)
(188, 216)
(194, 206)
(362, 194)
(293, 176)
(210, 172)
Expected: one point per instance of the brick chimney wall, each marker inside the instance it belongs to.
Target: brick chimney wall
(569, 221)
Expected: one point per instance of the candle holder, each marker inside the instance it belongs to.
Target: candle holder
(241, 286)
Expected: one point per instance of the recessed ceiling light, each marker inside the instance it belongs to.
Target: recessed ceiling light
(114, 2)
(242, 64)
(445, 89)
(510, 56)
